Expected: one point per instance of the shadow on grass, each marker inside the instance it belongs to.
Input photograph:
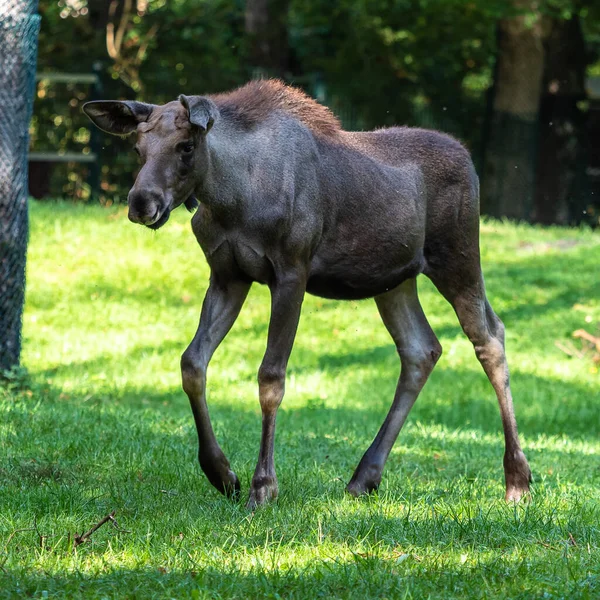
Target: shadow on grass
(567, 274)
(113, 441)
(397, 574)
(453, 398)
(69, 461)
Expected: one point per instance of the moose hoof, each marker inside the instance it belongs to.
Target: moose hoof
(518, 478)
(231, 486)
(358, 487)
(224, 479)
(261, 492)
(514, 494)
(517, 488)
(366, 480)
(228, 484)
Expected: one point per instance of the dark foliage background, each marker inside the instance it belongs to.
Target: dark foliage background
(432, 63)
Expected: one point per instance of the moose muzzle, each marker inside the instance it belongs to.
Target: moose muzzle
(146, 205)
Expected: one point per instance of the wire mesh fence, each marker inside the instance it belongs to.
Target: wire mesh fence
(19, 26)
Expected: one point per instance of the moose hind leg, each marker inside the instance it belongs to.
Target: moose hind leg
(419, 350)
(486, 332)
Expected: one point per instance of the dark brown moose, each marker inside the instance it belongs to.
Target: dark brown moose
(289, 199)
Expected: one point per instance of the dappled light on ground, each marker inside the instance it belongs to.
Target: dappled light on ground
(103, 425)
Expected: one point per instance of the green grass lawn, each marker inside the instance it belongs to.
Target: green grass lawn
(103, 425)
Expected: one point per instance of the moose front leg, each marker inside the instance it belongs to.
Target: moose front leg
(222, 304)
(286, 302)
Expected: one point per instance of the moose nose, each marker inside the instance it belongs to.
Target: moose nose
(145, 205)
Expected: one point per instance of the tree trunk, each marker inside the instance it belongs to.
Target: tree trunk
(267, 33)
(559, 194)
(19, 26)
(510, 157)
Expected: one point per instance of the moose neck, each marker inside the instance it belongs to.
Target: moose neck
(226, 180)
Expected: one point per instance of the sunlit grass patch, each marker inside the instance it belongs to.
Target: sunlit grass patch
(103, 425)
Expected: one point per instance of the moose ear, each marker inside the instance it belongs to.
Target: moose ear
(117, 117)
(202, 112)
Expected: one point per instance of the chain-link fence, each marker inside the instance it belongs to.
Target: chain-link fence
(19, 26)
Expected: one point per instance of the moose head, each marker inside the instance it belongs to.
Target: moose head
(171, 144)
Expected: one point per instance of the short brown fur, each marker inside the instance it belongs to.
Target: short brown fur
(256, 101)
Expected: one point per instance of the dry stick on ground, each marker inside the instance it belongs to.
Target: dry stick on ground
(584, 335)
(117, 527)
(80, 539)
(41, 538)
(589, 342)
(569, 350)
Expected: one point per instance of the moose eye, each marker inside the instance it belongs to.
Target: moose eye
(187, 147)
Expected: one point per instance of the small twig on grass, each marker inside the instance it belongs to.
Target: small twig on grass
(588, 337)
(80, 539)
(572, 539)
(569, 350)
(116, 525)
(41, 538)
(547, 545)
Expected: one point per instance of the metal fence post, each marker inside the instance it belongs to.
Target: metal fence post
(19, 26)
